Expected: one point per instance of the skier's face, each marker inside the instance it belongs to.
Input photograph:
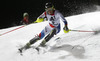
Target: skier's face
(26, 17)
(49, 10)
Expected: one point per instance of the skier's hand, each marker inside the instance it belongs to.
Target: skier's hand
(39, 20)
(66, 30)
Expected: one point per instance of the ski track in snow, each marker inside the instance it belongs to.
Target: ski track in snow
(73, 46)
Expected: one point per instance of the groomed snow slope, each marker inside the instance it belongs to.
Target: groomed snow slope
(73, 46)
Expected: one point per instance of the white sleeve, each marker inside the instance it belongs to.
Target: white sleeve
(63, 18)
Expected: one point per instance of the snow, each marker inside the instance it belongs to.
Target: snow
(73, 46)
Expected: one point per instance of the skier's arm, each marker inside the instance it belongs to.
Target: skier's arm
(63, 19)
(66, 30)
(41, 18)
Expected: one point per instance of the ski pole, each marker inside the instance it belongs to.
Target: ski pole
(82, 31)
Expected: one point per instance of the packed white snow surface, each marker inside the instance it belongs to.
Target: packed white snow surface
(73, 46)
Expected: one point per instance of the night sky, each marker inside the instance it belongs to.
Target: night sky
(12, 11)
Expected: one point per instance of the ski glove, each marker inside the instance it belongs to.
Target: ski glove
(66, 30)
(39, 20)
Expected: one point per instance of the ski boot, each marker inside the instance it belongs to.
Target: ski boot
(28, 45)
(24, 47)
(46, 39)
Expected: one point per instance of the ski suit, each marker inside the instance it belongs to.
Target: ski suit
(52, 28)
(53, 22)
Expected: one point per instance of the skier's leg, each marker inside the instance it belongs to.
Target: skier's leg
(35, 39)
(47, 38)
(50, 35)
(44, 32)
(32, 41)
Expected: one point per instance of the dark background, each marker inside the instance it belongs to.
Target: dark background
(12, 10)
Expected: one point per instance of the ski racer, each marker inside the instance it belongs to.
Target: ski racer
(53, 17)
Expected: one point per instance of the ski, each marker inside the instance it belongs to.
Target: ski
(38, 48)
(20, 51)
(46, 48)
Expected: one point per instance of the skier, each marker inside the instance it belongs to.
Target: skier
(53, 17)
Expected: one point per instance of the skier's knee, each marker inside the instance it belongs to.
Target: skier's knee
(32, 41)
(53, 32)
(50, 35)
